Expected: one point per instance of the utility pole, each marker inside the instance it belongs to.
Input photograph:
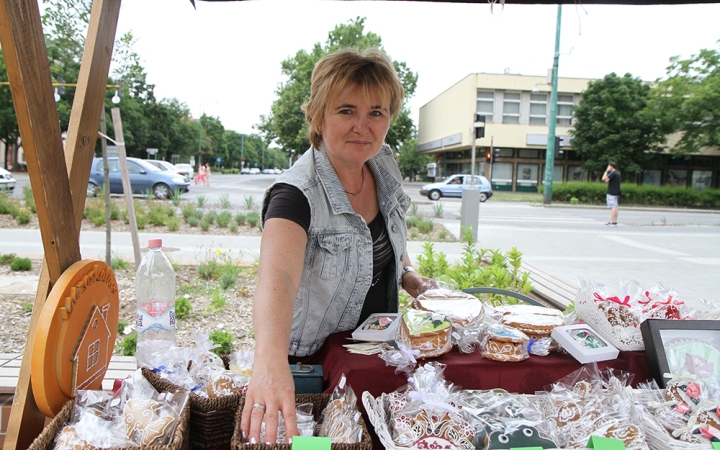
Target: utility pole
(550, 153)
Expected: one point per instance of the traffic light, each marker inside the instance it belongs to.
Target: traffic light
(479, 126)
(488, 157)
(496, 154)
(558, 152)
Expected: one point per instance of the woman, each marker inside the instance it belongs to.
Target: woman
(334, 242)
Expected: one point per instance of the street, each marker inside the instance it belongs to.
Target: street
(679, 248)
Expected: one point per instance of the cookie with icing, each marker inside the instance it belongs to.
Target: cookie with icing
(523, 436)
(143, 423)
(227, 382)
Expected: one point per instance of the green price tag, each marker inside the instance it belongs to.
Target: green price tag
(311, 443)
(603, 443)
(527, 448)
(716, 445)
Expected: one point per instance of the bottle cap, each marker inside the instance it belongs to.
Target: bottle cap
(154, 243)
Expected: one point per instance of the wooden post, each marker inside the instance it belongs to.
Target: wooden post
(59, 200)
(106, 191)
(127, 189)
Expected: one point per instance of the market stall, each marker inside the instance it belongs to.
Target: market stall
(59, 180)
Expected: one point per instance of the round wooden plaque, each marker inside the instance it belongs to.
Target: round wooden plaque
(75, 335)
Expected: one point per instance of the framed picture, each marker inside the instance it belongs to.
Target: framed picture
(683, 347)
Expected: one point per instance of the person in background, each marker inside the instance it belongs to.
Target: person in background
(207, 174)
(333, 248)
(612, 178)
(200, 175)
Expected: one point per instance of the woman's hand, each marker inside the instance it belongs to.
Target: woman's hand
(415, 284)
(271, 386)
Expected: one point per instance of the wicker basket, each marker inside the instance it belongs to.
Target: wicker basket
(319, 402)
(212, 420)
(47, 437)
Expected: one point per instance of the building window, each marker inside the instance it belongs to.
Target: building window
(576, 174)
(528, 153)
(538, 109)
(701, 179)
(564, 109)
(652, 177)
(511, 107)
(485, 104)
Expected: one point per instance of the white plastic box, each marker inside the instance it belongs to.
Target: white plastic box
(584, 343)
(379, 327)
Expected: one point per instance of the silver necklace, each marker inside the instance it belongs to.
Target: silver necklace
(362, 184)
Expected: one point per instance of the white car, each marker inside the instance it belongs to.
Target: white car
(7, 182)
(168, 167)
(254, 171)
(186, 170)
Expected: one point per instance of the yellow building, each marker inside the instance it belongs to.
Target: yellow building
(517, 113)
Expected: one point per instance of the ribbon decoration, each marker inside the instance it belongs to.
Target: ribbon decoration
(424, 398)
(407, 352)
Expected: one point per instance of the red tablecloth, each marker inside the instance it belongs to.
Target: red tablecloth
(469, 371)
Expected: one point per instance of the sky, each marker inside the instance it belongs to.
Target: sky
(223, 58)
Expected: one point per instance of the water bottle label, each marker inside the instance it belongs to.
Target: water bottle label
(156, 319)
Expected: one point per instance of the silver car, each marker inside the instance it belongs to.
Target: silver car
(186, 170)
(454, 185)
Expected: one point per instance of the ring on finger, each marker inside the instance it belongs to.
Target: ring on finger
(259, 406)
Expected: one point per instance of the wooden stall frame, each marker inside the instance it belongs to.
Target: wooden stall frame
(58, 176)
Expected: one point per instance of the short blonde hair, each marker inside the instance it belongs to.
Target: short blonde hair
(370, 69)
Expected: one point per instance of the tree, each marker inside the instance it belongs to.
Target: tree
(286, 122)
(411, 162)
(613, 124)
(687, 101)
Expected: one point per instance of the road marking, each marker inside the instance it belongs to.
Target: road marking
(704, 261)
(652, 248)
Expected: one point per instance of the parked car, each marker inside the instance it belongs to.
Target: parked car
(454, 185)
(7, 181)
(170, 167)
(254, 171)
(143, 176)
(186, 170)
(245, 171)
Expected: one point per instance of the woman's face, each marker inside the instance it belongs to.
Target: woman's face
(353, 128)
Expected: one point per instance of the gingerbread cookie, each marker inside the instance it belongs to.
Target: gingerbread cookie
(506, 344)
(68, 439)
(532, 324)
(460, 307)
(630, 434)
(227, 382)
(523, 436)
(142, 422)
(619, 315)
(426, 332)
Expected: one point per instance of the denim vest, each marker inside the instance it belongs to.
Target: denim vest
(338, 263)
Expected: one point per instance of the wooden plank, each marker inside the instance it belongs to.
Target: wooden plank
(553, 289)
(46, 160)
(28, 71)
(88, 104)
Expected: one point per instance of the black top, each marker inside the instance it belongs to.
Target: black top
(614, 183)
(288, 202)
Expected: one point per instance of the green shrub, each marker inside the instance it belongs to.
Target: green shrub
(117, 263)
(233, 227)
(413, 209)
(425, 226)
(241, 219)
(21, 264)
(176, 197)
(594, 193)
(98, 220)
(412, 221)
(211, 217)
(122, 324)
(227, 280)
(223, 219)
(7, 206)
(201, 199)
(23, 216)
(142, 221)
(173, 223)
(7, 258)
(224, 200)
(249, 202)
(224, 340)
(29, 199)
(189, 211)
(205, 224)
(438, 209)
(217, 301)
(253, 219)
(182, 308)
(193, 221)
(27, 307)
(574, 201)
(209, 270)
(128, 346)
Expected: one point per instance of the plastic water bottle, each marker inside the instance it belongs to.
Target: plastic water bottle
(155, 292)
